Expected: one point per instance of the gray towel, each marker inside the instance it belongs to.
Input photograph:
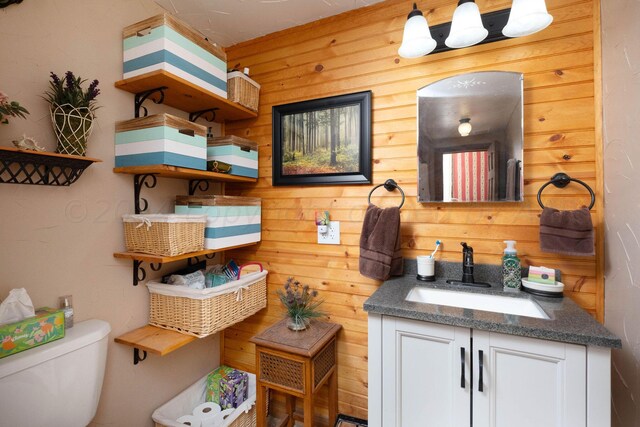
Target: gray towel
(567, 232)
(380, 254)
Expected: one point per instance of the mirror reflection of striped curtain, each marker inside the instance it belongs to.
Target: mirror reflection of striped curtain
(470, 177)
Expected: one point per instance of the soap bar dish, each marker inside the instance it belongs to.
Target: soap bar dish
(541, 289)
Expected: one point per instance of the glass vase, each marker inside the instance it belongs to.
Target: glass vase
(296, 324)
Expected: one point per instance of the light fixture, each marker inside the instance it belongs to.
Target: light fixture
(465, 127)
(466, 26)
(527, 17)
(416, 40)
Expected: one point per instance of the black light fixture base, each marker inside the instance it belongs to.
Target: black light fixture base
(494, 22)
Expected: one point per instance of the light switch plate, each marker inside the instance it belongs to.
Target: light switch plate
(332, 236)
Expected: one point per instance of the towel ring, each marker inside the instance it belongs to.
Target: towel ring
(389, 185)
(561, 180)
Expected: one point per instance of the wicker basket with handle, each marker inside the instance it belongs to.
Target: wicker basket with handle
(164, 234)
(202, 312)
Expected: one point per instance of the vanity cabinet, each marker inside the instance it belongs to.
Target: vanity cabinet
(426, 374)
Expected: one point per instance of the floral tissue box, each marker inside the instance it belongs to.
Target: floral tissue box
(46, 326)
(227, 387)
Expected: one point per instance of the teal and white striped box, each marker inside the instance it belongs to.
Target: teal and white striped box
(231, 221)
(161, 139)
(166, 43)
(240, 153)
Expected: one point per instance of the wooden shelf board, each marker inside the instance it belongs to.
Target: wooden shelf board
(186, 96)
(47, 154)
(155, 340)
(166, 171)
(166, 259)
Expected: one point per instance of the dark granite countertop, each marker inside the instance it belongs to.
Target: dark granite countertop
(567, 321)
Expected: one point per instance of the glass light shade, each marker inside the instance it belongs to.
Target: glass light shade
(465, 127)
(527, 17)
(416, 40)
(466, 27)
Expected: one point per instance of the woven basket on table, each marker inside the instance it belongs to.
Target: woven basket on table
(167, 235)
(206, 316)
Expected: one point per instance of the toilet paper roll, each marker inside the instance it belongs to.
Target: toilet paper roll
(219, 419)
(207, 413)
(190, 420)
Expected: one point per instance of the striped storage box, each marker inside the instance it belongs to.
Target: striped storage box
(231, 221)
(165, 43)
(161, 139)
(240, 153)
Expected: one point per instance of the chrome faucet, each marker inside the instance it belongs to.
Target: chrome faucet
(467, 263)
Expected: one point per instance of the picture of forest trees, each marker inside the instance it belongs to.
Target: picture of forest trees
(322, 141)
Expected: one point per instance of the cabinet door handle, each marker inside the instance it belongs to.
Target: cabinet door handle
(462, 381)
(481, 370)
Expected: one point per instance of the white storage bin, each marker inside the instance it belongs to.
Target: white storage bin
(185, 402)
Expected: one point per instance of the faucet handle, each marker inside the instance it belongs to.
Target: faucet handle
(466, 247)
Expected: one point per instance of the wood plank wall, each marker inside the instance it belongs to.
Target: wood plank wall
(357, 51)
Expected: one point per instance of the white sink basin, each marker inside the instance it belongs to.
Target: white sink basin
(493, 303)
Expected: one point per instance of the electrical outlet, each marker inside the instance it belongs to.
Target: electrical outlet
(332, 236)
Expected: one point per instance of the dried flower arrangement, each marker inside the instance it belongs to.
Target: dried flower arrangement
(69, 91)
(72, 111)
(300, 302)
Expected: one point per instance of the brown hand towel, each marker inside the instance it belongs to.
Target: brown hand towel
(567, 232)
(380, 255)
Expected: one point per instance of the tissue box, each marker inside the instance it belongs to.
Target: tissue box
(227, 387)
(46, 326)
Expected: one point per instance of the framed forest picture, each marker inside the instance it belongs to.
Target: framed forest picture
(323, 141)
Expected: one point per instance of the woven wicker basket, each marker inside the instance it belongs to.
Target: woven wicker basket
(205, 312)
(243, 90)
(167, 235)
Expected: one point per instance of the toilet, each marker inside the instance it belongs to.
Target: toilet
(56, 384)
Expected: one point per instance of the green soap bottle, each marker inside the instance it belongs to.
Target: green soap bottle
(511, 269)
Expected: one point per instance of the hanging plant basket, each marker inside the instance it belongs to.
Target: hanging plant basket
(72, 127)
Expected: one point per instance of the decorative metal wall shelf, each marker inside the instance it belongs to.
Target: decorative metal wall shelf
(39, 168)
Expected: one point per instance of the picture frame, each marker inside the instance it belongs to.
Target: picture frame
(325, 141)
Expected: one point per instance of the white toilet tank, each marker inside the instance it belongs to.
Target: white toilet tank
(56, 384)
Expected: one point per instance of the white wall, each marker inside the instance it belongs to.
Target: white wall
(621, 77)
(60, 240)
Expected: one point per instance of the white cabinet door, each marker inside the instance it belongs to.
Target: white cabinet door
(426, 374)
(527, 382)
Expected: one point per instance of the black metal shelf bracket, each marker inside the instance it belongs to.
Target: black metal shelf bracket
(198, 184)
(197, 114)
(136, 355)
(142, 96)
(149, 181)
(139, 273)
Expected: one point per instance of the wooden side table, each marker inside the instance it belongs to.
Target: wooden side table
(297, 364)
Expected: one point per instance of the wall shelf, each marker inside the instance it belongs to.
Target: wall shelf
(154, 340)
(185, 96)
(165, 171)
(40, 168)
(156, 261)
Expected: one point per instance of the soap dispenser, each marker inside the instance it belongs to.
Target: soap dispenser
(511, 269)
